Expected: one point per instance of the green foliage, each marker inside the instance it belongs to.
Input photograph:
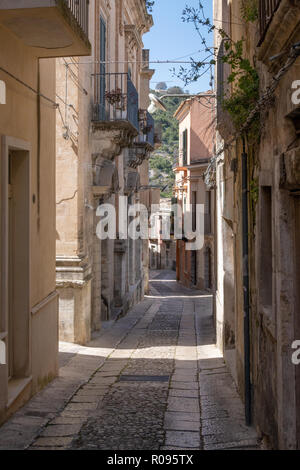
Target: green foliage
(169, 124)
(254, 190)
(149, 5)
(161, 172)
(175, 90)
(243, 78)
(162, 160)
(245, 84)
(161, 163)
(249, 10)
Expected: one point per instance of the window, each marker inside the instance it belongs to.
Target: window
(102, 57)
(184, 146)
(267, 9)
(194, 214)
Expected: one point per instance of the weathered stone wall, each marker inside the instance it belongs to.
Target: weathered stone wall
(92, 168)
(27, 129)
(272, 235)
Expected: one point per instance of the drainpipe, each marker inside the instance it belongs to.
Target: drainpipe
(246, 284)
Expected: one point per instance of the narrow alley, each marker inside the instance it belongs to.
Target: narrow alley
(152, 380)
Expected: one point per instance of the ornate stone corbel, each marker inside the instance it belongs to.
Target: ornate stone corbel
(109, 138)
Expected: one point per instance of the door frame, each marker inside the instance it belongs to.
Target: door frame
(12, 144)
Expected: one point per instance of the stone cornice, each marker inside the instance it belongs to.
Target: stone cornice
(72, 271)
(109, 138)
(143, 19)
(147, 73)
(133, 34)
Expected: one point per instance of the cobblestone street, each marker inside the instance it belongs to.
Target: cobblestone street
(152, 380)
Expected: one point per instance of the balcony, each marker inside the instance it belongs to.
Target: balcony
(267, 9)
(116, 101)
(52, 28)
(147, 134)
(115, 116)
(279, 23)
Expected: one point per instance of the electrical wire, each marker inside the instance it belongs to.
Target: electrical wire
(56, 105)
(74, 76)
(193, 53)
(138, 62)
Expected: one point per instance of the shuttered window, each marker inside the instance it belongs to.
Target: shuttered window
(184, 146)
(102, 67)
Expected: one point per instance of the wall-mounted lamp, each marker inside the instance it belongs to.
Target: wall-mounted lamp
(156, 104)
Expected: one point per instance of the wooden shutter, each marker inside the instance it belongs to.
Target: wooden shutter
(102, 67)
(184, 147)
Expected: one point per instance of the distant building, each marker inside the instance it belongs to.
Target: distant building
(162, 251)
(196, 145)
(161, 86)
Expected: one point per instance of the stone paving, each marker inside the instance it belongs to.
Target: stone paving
(152, 380)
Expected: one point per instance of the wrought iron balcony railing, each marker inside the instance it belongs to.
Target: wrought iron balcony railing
(80, 10)
(116, 99)
(267, 8)
(146, 127)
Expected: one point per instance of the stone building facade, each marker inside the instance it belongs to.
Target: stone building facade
(261, 358)
(104, 138)
(28, 296)
(162, 248)
(196, 145)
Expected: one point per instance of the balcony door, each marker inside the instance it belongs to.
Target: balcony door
(102, 68)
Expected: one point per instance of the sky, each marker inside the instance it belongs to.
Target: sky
(170, 38)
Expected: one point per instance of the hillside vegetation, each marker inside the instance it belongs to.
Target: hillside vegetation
(163, 159)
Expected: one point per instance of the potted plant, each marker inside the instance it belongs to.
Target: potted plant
(116, 98)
